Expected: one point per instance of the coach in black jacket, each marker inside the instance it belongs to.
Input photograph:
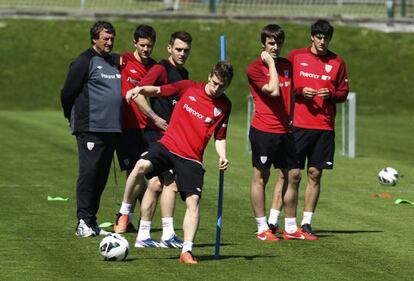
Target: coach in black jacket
(92, 100)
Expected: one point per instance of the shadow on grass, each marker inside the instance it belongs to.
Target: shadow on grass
(222, 257)
(225, 257)
(323, 233)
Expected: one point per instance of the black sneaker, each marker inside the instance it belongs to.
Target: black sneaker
(131, 228)
(274, 228)
(307, 228)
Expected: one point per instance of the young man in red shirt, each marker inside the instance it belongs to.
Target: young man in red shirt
(320, 83)
(203, 110)
(270, 83)
(158, 115)
(134, 66)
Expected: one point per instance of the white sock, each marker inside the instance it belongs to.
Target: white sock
(187, 246)
(307, 218)
(290, 225)
(273, 217)
(261, 224)
(125, 208)
(167, 228)
(144, 230)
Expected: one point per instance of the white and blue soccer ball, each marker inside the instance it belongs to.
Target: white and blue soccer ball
(114, 247)
(388, 176)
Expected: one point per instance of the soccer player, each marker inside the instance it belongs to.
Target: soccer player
(91, 100)
(134, 66)
(270, 83)
(167, 71)
(320, 83)
(203, 110)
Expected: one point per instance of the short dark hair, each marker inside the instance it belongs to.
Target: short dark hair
(145, 31)
(273, 31)
(98, 27)
(224, 71)
(322, 27)
(182, 35)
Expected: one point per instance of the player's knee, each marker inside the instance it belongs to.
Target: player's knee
(314, 175)
(192, 202)
(154, 185)
(260, 177)
(295, 176)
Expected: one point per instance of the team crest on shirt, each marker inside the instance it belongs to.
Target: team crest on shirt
(192, 98)
(90, 145)
(304, 64)
(328, 68)
(217, 111)
(286, 72)
(263, 159)
(133, 71)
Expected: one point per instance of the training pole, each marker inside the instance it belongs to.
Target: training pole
(116, 190)
(221, 174)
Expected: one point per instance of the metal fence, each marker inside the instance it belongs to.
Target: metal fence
(290, 8)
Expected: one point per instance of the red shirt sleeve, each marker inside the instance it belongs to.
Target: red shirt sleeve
(156, 76)
(341, 90)
(256, 75)
(291, 58)
(177, 88)
(220, 132)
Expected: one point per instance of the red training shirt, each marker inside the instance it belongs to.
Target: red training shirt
(132, 71)
(310, 70)
(196, 117)
(271, 114)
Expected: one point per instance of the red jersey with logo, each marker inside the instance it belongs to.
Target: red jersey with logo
(132, 72)
(310, 70)
(196, 117)
(271, 114)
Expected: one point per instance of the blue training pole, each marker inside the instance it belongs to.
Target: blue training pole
(221, 175)
(222, 47)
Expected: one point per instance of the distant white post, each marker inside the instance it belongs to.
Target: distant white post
(348, 136)
(82, 4)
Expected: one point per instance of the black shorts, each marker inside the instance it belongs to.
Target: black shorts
(130, 147)
(189, 175)
(318, 146)
(152, 137)
(271, 148)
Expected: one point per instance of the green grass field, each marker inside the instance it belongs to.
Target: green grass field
(362, 238)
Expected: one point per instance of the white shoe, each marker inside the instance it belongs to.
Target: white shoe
(83, 230)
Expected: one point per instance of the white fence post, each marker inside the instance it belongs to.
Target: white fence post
(351, 124)
(348, 134)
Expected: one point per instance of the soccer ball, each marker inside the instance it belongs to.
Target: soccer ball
(114, 247)
(388, 176)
